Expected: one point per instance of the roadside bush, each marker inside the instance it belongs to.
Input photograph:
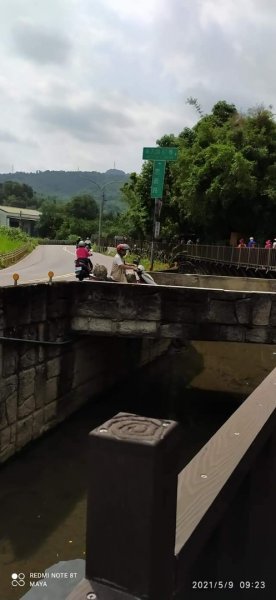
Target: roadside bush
(12, 239)
(14, 233)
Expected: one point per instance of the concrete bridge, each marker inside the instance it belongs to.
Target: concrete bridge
(178, 309)
(62, 343)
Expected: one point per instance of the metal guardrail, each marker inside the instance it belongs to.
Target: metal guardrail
(243, 257)
(48, 242)
(10, 258)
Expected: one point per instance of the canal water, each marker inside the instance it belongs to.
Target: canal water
(43, 489)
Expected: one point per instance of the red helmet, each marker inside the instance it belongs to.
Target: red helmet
(122, 247)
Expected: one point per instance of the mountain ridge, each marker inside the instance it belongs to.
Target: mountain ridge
(65, 184)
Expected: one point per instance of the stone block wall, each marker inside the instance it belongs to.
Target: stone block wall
(41, 384)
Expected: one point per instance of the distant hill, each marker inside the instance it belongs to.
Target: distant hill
(65, 184)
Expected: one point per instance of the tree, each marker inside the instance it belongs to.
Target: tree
(222, 111)
(50, 220)
(194, 102)
(78, 227)
(225, 175)
(133, 221)
(82, 207)
(13, 193)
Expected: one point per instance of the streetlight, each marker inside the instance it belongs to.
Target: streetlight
(102, 188)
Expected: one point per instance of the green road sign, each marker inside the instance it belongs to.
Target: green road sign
(160, 153)
(157, 181)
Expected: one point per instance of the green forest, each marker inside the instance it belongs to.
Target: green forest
(223, 181)
(63, 185)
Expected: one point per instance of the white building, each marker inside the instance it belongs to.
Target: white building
(25, 218)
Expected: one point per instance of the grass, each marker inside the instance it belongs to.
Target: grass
(157, 265)
(12, 239)
(8, 245)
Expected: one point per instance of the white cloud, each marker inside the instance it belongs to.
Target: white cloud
(41, 45)
(84, 84)
(143, 10)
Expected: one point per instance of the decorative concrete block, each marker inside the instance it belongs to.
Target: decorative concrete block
(38, 422)
(13, 433)
(27, 408)
(10, 360)
(51, 390)
(8, 386)
(231, 333)
(28, 358)
(24, 431)
(50, 412)
(11, 408)
(257, 334)
(53, 367)
(3, 416)
(261, 310)
(222, 312)
(243, 310)
(26, 384)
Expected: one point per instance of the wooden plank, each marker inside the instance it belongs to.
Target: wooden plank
(202, 480)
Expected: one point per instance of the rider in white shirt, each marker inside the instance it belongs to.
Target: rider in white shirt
(119, 266)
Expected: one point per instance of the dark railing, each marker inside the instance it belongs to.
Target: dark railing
(243, 257)
(155, 531)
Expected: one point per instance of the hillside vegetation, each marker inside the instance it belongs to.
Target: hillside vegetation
(12, 238)
(223, 181)
(64, 184)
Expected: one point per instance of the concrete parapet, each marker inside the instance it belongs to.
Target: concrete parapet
(42, 384)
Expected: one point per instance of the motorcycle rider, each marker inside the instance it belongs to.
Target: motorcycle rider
(88, 243)
(119, 266)
(83, 253)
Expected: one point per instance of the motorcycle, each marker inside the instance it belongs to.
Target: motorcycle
(82, 269)
(143, 276)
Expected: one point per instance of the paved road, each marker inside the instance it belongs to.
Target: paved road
(59, 259)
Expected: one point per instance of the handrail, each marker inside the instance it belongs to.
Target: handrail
(200, 482)
(243, 257)
(8, 258)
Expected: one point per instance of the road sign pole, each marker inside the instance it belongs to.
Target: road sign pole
(152, 254)
(159, 156)
(152, 241)
(155, 229)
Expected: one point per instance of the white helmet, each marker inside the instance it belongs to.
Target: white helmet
(81, 244)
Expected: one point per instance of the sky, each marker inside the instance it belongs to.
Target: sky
(86, 84)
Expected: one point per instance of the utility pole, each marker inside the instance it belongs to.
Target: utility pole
(102, 201)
